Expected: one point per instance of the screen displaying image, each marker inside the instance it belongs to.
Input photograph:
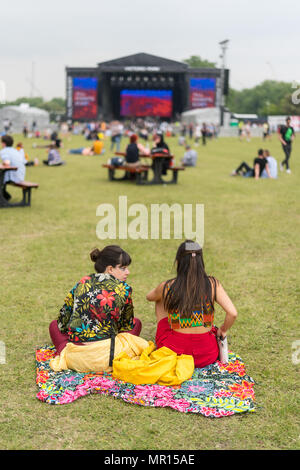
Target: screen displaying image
(146, 103)
(85, 98)
(202, 92)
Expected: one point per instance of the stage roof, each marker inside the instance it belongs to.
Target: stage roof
(142, 62)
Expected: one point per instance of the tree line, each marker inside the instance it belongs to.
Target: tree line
(56, 106)
(268, 98)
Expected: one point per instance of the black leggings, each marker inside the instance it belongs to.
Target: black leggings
(287, 151)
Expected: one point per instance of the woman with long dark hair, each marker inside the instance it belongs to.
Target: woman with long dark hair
(185, 308)
(95, 312)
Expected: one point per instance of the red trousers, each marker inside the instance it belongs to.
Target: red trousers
(60, 339)
(203, 347)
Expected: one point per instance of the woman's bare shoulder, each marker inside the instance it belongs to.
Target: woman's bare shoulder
(215, 283)
(162, 285)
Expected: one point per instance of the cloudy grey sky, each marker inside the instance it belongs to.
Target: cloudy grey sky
(264, 38)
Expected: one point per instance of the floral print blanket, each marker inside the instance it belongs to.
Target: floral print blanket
(214, 391)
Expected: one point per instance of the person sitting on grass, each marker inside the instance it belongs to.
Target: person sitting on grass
(98, 308)
(97, 147)
(54, 158)
(190, 157)
(11, 157)
(184, 308)
(272, 164)
(259, 165)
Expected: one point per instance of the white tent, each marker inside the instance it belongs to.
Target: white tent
(275, 121)
(24, 114)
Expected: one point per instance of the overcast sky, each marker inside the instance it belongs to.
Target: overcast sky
(40, 39)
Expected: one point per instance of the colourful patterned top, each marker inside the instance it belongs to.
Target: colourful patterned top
(198, 318)
(97, 307)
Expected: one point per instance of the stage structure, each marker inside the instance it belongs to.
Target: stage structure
(141, 85)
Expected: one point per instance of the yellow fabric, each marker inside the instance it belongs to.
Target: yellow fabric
(94, 356)
(161, 366)
(98, 146)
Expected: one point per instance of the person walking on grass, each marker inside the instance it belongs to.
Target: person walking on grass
(286, 136)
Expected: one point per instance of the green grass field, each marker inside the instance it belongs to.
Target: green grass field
(251, 245)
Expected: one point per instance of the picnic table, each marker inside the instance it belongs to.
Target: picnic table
(26, 187)
(156, 167)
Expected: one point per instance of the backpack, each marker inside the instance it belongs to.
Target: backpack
(117, 161)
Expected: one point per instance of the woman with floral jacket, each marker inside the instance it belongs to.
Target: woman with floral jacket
(99, 306)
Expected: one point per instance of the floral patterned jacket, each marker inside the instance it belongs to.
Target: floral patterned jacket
(98, 307)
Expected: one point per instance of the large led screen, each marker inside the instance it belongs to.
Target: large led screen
(202, 92)
(85, 98)
(146, 103)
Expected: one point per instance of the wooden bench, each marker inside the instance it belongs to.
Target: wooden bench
(141, 173)
(26, 186)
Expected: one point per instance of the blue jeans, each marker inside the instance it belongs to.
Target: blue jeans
(76, 150)
(116, 140)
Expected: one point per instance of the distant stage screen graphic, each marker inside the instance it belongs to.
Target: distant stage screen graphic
(85, 98)
(146, 103)
(202, 92)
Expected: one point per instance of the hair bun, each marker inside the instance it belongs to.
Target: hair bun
(95, 254)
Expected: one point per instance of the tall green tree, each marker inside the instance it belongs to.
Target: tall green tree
(56, 105)
(269, 97)
(290, 106)
(35, 102)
